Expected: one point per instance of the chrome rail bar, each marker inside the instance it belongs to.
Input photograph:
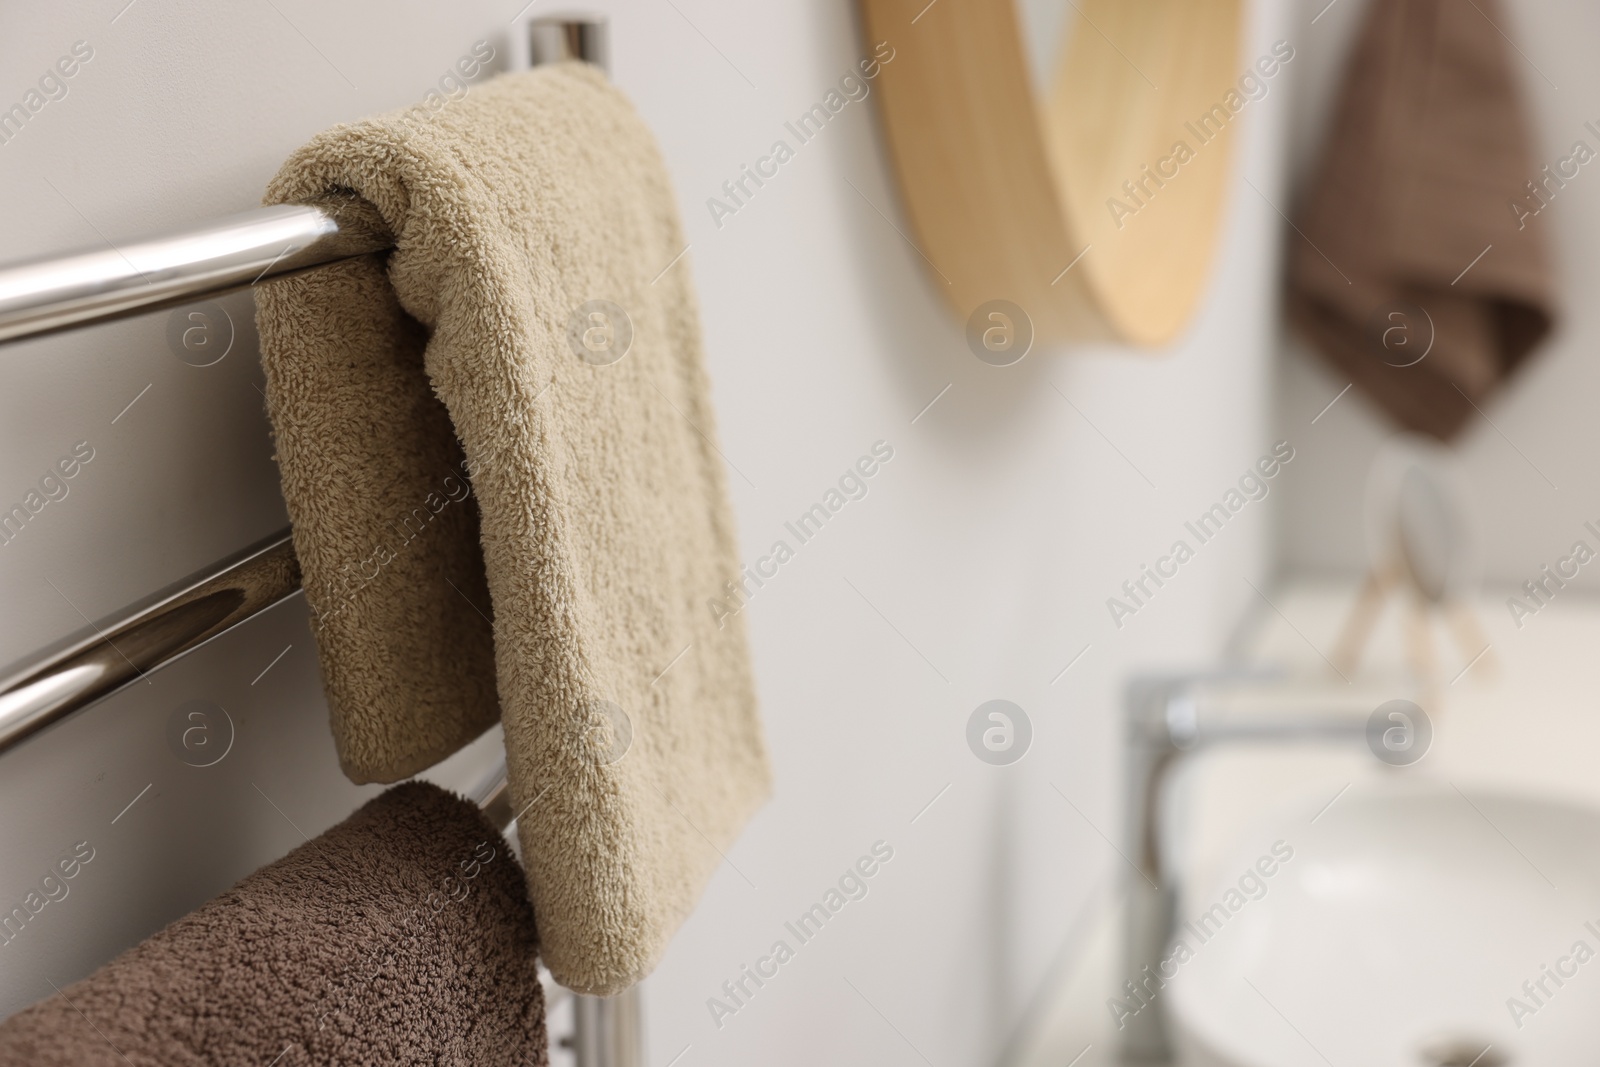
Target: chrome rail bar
(45, 295)
(120, 650)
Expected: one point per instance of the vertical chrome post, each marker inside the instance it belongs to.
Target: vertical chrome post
(609, 1031)
(551, 40)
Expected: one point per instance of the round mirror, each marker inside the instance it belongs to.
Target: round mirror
(1091, 199)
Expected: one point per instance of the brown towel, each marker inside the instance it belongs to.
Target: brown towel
(1425, 169)
(400, 936)
(596, 492)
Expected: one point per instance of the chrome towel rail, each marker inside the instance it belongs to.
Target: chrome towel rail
(48, 295)
(51, 294)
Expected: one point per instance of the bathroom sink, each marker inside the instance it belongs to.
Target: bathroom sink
(1412, 927)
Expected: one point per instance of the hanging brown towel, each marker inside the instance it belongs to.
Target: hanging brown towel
(400, 936)
(499, 453)
(1422, 273)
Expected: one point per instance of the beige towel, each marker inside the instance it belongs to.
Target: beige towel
(1428, 165)
(596, 492)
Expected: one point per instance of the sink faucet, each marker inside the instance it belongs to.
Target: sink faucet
(1165, 722)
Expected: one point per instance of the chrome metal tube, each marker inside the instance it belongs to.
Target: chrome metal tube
(555, 40)
(43, 296)
(609, 1031)
(106, 657)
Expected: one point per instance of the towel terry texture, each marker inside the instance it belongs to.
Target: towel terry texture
(400, 936)
(1412, 229)
(593, 530)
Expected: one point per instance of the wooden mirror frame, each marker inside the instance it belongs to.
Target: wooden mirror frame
(1014, 198)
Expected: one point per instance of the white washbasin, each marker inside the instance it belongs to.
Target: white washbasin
(1396, 935)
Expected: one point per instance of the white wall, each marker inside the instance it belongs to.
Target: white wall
(1530, 471)
(978, 566)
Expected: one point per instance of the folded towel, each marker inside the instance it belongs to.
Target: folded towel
(400, 936)
(537, 239)
(1421, 180)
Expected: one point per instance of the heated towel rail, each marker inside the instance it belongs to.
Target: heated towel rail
(45, 296)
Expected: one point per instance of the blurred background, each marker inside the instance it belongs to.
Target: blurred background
(980, 566)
